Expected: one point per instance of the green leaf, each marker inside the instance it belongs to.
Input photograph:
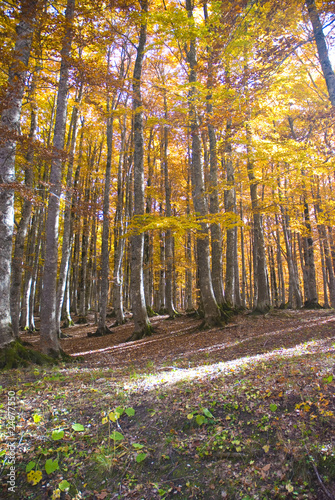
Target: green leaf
(200, 419)
(30, 466)
(207, 413)
(78, 427)
(328, 380)
(273, 407)
(138, 446)
(51, 466)
(140, 457)
(119, 411)
(130, 412)
(37, 418)
(57, 434)
(64, 485)
(116, 436)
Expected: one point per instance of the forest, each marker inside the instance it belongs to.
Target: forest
(167, 186)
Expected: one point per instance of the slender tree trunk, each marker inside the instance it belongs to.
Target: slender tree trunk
(102, 329)
(142, 325)
(169, 240)
(119, 241)
(67, 237)
(10, 124)
(17, 262)
(262, 296)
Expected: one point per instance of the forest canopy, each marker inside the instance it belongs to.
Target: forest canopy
(164, 156)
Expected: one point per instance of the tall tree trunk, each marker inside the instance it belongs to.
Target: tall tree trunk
(10, 124)
(119, 223)
(49, 332)
(215, 228)
(211, 310)
(102, 328)
(262, 295)
(142, 325)
(326, 66)
(67, 236)
(169, 240)
(17, 262)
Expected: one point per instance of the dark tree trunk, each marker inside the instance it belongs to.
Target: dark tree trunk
(326, 66)
(142, 325)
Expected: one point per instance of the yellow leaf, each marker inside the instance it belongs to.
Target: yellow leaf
(34, 477)
(190, 416)
(266, 448)
(104, 420)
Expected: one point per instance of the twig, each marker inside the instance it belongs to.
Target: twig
(319, 478)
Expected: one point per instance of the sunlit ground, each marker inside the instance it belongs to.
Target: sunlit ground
(171, 375)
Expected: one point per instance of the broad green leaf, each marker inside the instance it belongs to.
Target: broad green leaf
(30, 466)
(207, 413)
(140, 457)
(64, 485)
(119, 411)
(78, 427)
(51, 466)
(200, 419)
(57, 434)
(130, 412)
(138, 446)
(273, 407)
(116, 436)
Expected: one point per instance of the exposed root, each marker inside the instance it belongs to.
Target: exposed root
(146, 332)
(100, 332)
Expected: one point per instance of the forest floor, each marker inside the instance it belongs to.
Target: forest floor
(246, 411)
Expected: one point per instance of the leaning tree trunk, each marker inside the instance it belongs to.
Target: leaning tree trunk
(49, 332)
(211, 310)
(10, 125)
(326, 66)
(142, 325)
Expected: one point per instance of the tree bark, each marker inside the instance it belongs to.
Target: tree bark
(49, 332)
(10, 124)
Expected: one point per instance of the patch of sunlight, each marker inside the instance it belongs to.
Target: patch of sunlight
(137, 344)
(166, 378)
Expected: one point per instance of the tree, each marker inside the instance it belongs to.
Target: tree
(49, 331)
(10, 126)
(142, 326)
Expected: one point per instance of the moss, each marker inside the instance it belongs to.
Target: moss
(16, 354)
(147, 331)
